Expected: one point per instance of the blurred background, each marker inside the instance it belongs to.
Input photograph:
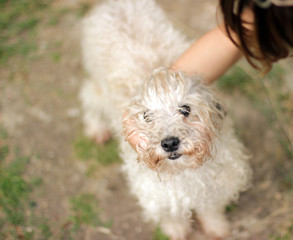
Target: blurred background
(57, 184)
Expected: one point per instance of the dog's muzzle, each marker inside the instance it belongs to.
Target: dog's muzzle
(170, 145)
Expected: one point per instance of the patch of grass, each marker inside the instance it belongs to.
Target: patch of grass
(14, 192)
(56, 57)
(36, 181)
(288, 235)
(18, 48)
(231, 207)
(17, 209)
(276, 75)
(3, 134)
(268, 94)
(88, 150)
(4, 150)
(287, 181)
(83, 9)
(159, 235)
(236, 78)
(18, 22)
(279, 99)
(56, 16)
(85, 210)
(27, 24)
(18, 217)
(45, 230)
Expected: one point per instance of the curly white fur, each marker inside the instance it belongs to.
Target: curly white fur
(206, 167)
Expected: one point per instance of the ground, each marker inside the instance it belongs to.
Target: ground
(75, 196)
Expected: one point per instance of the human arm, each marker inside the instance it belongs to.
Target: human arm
(210, 56)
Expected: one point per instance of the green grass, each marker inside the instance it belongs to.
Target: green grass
(56, 57)
(55, 16)
(18, 216)
(14, 192)
(17, 209)
(83, 9)
(238, 80)
(235, 79)
(4, 150)
(288, 235)
(159, 235)
(231, 207)
(18, 22)
(89, 151)
(85, 210)
(268, 94)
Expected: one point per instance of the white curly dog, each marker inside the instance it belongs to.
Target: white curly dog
(188, 159)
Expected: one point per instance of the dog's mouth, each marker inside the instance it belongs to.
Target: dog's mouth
(174, 156)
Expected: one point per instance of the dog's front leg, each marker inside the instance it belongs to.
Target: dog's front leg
(214, 222)
(176, 228)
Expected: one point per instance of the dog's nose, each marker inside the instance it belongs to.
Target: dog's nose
(170, 144)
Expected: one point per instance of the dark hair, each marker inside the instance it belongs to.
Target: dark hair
(270, 37)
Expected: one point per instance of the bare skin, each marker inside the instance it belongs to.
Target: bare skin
(214, 53)
(210, 56)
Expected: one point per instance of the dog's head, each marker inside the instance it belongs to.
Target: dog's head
(177, 119)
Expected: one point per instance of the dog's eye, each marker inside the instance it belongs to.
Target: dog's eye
(146, 116)
(185, 110)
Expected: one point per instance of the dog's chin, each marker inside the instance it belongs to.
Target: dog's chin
(175, 163)
(174, 156)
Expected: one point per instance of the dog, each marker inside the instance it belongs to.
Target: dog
(187, 160)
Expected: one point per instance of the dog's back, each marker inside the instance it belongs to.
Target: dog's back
(128, 38)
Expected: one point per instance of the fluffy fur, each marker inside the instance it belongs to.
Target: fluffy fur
(187, 158)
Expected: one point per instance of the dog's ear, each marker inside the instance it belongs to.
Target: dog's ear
(218, 114)
(137, 140)
(222, 112)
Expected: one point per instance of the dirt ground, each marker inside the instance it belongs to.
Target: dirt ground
(41, 111)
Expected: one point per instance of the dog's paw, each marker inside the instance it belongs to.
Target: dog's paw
(215, 225)
(99, 134)
(176, 230)
(102, 137)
